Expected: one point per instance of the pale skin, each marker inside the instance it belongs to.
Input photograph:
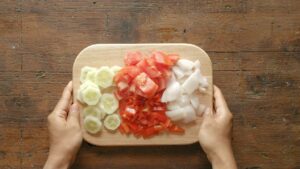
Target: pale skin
(65, 134)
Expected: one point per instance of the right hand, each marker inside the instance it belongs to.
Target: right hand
(215, 133)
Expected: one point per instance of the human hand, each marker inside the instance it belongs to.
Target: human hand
(215, 133)
(64, 132)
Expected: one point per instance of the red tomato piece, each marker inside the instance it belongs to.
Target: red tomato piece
(151, 70)
(161, 58)
(149, 132)
(176, 129)
(146, 85)
(173, 58)
(132, 58)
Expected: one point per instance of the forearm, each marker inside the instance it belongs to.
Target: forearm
(57, 161)
(223, 159)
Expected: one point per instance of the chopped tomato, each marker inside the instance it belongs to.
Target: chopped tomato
(140, 85)
(173, 58)
(151, 70)
(132, 58)
(146, 85)
(176, 129)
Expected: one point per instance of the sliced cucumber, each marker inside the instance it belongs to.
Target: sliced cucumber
(90, 95)
(92, 124)
(84, 71)
(82, 87)
(92, 111)
(91, 75)
(112, 122)
(86, 84)
(104, 77)
(109, 103)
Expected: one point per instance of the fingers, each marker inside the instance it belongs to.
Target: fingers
(73, 116)
(220, 104)
(65, 100)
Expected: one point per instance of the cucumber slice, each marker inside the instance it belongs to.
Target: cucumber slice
(92, 111)
(86, 84)
(91, 76)
(84, 72)
(104, 77)
(112, 122)
(92, 124)
(91, 95)
(109, 103)
(82, 87)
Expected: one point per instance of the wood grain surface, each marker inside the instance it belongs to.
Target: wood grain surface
(254, 47)
(98, 55)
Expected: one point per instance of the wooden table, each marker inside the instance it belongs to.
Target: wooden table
(254, 47)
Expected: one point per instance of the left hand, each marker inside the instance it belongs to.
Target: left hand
(64, 132)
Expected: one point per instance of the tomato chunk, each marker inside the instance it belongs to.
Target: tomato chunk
(132, 58)
(146, 85)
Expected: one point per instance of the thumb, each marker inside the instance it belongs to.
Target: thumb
(74, 115)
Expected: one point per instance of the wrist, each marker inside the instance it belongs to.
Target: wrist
(56, 160)
(222, 158)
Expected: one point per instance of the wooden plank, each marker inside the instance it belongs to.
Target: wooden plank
(10, 145)
(136, 22)
(97, 56)
(10, 29)
(266, 112)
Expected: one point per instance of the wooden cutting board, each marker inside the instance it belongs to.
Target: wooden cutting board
(112, 54)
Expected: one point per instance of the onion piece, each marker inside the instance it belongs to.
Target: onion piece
(171, 93)
(197, 64)
(195, 101)
(173, 105)
(192, 82)
(176, 115)
(185, 64)
(189, 114)
(178, 72)
(183, 100)
(203, 82)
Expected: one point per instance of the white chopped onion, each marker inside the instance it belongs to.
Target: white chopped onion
(202, 90)
(189, 114)
(195, 101)
(192, 82)
(197, 64)
(185, 64)
(175, 115)
(178, 72)
(171, 93)
(203, 82)
(173, 105)
(188, 73)
(183, 100)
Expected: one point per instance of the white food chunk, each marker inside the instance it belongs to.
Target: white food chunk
(192, 82)
(185, 64)
(171, 93)
(189, 114)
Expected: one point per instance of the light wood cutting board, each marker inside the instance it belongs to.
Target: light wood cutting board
(112, 54)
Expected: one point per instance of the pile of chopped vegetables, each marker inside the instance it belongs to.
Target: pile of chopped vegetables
(148, 96)
(139, 88)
